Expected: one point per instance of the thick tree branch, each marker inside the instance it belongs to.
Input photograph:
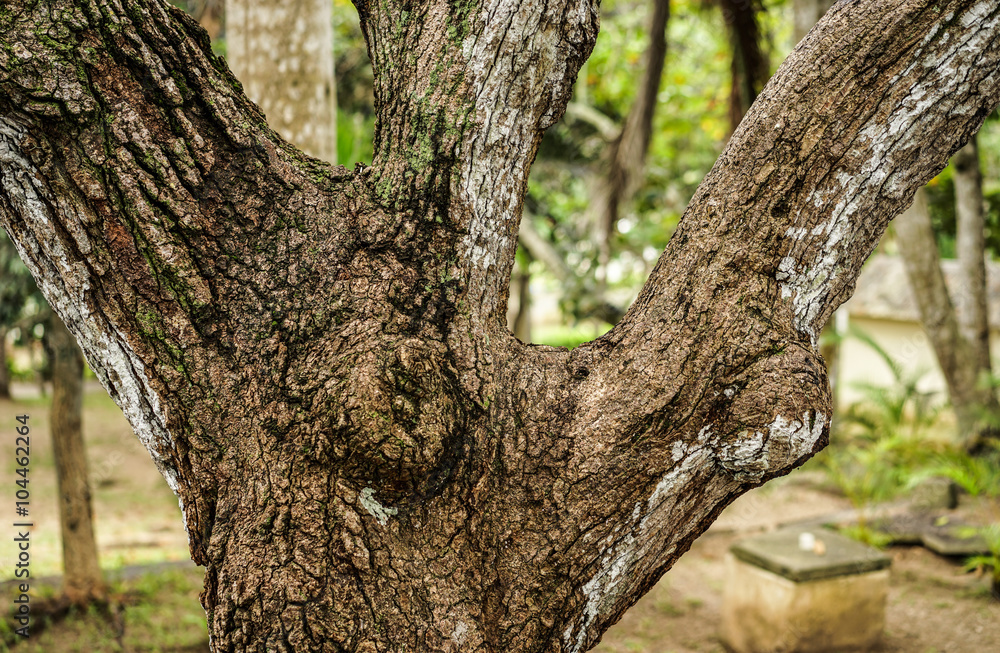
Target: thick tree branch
(143, 190)
(770, 245)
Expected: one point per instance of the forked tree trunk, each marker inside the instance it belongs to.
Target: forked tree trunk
(82, 579)
(282, 52)
(317, 358)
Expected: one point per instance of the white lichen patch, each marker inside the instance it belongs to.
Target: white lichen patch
(753, 453)
(460, 633)
(653, 521)
(374, 508)
(624, 552)
(748, 457)
(614, 567)
(799, 436)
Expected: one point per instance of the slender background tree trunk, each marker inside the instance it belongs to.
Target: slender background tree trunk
(626, 158)
(970, 248)
(958, 357)
(4, 368)
(806, 13)
(749, 67)
(82, 578)
(282, 52)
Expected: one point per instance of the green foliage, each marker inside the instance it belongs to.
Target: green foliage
(977, 475)
(864, 533)
(689, 131)
(355, 96)
(18, 292)
(872, 470)
(987, 562)
(889, 450)
(886, 410)
(157, 612)
(880, 443)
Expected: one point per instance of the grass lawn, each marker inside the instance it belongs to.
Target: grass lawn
(137, 522)
(151, 613)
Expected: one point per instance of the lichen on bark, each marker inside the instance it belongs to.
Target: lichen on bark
(316, 357)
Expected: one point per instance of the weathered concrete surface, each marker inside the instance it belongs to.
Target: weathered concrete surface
(837, 606)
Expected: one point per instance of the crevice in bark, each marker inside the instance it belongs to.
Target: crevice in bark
(364, 455)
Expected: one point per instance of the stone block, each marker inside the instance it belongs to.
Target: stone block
(780, 598)
(934, 493)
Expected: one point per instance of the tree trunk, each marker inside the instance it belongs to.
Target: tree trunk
(4, 369)
(282, 52)
(973, 311)
(807, 13)
(970, 246)
(749, 68)
(82, 580)
(956, 354)
(318, 360)
(626, 158)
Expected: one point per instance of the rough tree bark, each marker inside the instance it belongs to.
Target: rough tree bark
(82, 579)
(282, 52)
(317, 359)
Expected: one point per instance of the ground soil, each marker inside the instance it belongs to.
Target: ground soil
(933, 606)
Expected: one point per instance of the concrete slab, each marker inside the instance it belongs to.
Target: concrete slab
(827, 598)
(779, 553)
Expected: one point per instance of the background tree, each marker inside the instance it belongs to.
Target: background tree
(807, 13)
(584, 187)
(210, 14)
(317, 359)
(282, 52)
(82, 579)
(16, 288)
(626, 154)
(960, 338)
(750, 67)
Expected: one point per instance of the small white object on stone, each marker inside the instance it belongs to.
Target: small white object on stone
(807, 541)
